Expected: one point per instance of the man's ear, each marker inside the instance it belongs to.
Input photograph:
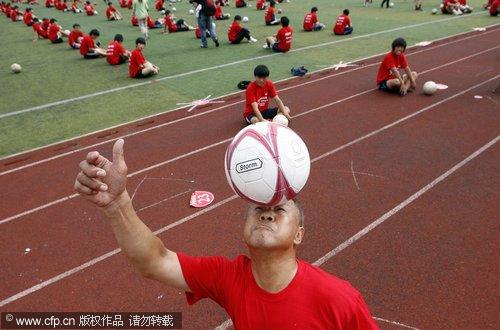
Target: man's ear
(299, 235)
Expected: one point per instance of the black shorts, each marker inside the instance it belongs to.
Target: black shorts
(267, 114)
(90, 56)
(139, 75)
(383, 87)
(57, 41)
(276, 48)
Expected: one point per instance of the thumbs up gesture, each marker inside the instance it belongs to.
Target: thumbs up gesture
(101, 181)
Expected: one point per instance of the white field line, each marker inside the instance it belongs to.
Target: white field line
(386, 216)
(194, 215)
(19, 215)
(212, 110)
(87, 96)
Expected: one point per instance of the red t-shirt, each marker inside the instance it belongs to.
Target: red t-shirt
(53, 29)
(197, 32)
(151, 24)
(73, 36)
(341, 23)
(13, 15)
(169, 22)
(110, 10)
(113, 52)
(261, 95)
(284, 39)
(134, 21)
(309, 21)
(314, 299)
(269, 15)
(28, 18)
(239, 3)
(136, 62)
(48, 3)
(89, 10)
(260, 4)
(159, 5)
(494, 8)
(37, 27)
(232, 32)
(45, 24)
(86, 45)
(390, 61)
(218, 11)
(123, 3)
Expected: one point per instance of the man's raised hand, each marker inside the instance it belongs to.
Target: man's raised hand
(101, 181)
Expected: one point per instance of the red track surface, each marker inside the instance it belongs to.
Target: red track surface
(432, 265)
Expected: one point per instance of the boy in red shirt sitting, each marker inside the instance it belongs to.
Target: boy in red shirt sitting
(389, 78)
(219, 15)
(261, 5)
(74, 7)
(311, 21)
(88, 49)
(37, 27)
(269, 16)
(28, 17)
(89, 9)
(236, 33)
(240, 3)
(112, 14)
(171, 26)
(343, 24)
(75, 37)
(15, 15)
(116, 53)
(139, 67)
(282, 42)
(55, 33)
(258, 94)
(495, 8)
(123, 3)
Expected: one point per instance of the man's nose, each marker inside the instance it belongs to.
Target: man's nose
(267, 216)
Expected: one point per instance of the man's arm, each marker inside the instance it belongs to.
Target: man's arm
(103, 183)
(395, 73)
(410, 76)
(255, 108)
(281, 107)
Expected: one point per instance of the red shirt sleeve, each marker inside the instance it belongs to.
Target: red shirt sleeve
(205, 277)
(314, 18)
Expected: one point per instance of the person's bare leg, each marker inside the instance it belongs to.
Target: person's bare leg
(254, 120)
(270, 41)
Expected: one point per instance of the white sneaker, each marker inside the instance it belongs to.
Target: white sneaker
(252, 39)
(265, 46)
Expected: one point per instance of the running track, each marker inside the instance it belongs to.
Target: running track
(430, 262)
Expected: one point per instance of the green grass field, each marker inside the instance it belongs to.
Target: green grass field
(53, 73)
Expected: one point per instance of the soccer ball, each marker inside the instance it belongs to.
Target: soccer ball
(267, 163)
(434, 11)
(16, 68)
(244, 19)
(280, 11)
(430, 87)
(280, 119)
(174, 9)
(67, 32)
(191, 11)
(391, 4)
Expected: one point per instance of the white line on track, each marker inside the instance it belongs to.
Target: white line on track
(215, 109)
(230, 198)
(19, 215)
(395, 323)
(386, 216)
(87, 96)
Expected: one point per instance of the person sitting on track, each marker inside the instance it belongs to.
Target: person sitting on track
(269, 289)
(171, 26)
(139, 67)
(389, 79)
(88, 48)
(343, 24)
(269, 16)
(311, 21)
(282, 42)
(116, 54)
(258, 94)
(75, 37)
(236, 33)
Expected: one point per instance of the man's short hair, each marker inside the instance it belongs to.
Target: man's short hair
(346, 12)
(94, 32)
(167, 12)
(237, 18)
(398, 42)
(140, 40)
(284, 21)
(314, 9)
(272, 3)
(53, 20)
(110, 3)
(261, 71)
(301, 211)
(76, 25)
(118, 37)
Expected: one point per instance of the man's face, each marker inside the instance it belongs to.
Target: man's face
(140, 46)
(398, 50)
(273, 227)
(260, 81)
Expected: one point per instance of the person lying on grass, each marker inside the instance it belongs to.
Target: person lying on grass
(268, 289)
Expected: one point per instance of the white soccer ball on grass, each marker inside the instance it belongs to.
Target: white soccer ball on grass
(244, 19)
(15, 68)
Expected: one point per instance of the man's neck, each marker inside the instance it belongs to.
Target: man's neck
(273, 271)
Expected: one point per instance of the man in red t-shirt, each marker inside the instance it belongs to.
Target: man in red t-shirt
(89, 9)
(219, 15)
(74, 7)
(389, 79)
(269, 16)
(258, 94)
(88, 49)
(75, 37)
(236, 33)
(260, 5)
(37, 27)
(170, 26)
(112, 14)
(240, 3)
(269, 289)
(495, 8)
(282, 42)
(138, 66)
(116, 53)
(28, 17)
(55, 33)
(15, 15)
(311, 21)
(343, 24)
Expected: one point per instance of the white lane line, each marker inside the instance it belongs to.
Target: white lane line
(395, 323)
(354, 175)
(185, 219)
(87, 96)
(386, 216)
(215, 109)
(19, 215)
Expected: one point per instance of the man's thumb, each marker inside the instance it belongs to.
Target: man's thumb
(118, 156)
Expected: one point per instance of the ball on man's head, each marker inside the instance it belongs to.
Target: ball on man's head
(267, 163)
(280, 119)
(15, 68)
(244, 19)
(430, 87)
